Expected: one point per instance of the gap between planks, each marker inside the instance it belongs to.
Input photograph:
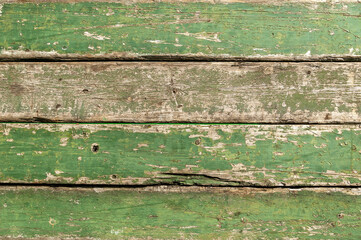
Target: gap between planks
(29, 57)
(49, 121)
(179, 187)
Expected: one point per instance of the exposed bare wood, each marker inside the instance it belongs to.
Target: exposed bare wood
(181, 92)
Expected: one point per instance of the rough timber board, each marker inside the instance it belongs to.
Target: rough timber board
(222, 155)
(180, 213)
(181, 92)
(306, 30)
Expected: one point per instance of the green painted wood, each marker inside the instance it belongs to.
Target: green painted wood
(181, 92)
(126, 29)
(222, 155)
(184, 214)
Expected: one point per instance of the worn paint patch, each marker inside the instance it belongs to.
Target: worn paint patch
(97, 37)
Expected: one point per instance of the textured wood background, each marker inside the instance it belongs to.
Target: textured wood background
(190, 119)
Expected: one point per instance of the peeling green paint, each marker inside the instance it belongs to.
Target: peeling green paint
(235, 29)
(206, 155)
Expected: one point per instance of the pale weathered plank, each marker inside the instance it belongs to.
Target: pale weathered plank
(181, 92)
(222, 155)
(180, 213)
(79, 29)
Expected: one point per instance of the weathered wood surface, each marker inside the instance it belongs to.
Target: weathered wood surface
(278, 30)
(180, 213)
(221, 155)
(181, 92)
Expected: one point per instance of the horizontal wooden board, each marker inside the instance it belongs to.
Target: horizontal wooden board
(182, 214)
(221, 155)
(181, 92)
(266, 30)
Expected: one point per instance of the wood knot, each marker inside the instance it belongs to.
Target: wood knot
(17, 89)
(328, 116)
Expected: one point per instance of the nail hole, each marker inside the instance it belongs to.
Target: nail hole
(341, 215)
(57, 106)
(60, 79)
(174, 91)
(308, 72)
(95, 147)
(85, 90)
(113, 176)
(198, 141)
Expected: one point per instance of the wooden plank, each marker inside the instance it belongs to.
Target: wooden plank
(180, 213)
(257, 30)
(221, 155)
(181, 92)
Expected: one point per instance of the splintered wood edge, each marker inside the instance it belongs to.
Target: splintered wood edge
(20, 55)
(191, 189)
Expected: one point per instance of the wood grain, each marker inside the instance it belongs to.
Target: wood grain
(59, 213)
(181, 92)
(209, 155)
(253, 30)
(156, 178)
